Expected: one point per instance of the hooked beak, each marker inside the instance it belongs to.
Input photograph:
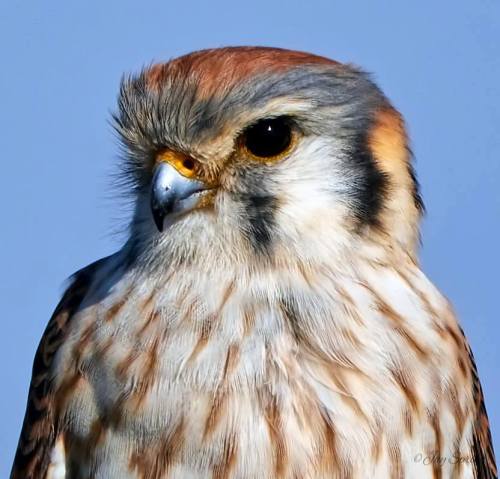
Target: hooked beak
(173, 193)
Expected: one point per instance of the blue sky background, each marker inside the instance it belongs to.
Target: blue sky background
(61, 64)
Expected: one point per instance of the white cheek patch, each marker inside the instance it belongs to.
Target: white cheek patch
(313, 176)
(313, 193)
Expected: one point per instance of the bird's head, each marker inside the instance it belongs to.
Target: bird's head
(266, 152)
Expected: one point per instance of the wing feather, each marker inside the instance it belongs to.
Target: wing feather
(39, 430)
(482, 445)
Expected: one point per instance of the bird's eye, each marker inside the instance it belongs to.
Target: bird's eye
(268, 138)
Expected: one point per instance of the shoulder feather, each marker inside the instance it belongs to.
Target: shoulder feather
(39, 430)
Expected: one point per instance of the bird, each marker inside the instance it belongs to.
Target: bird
(266, 316)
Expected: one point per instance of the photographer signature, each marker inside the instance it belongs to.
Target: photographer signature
(435, 458)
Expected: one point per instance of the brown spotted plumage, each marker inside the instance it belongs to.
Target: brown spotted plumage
(40, 430)
(267, 316)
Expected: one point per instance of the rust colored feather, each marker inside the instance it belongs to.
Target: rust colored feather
(217, 70)
(39, 429)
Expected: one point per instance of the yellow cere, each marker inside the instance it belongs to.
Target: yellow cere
(181, 162)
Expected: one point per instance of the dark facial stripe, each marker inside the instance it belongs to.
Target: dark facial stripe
(260, 221)
(371, 186)
(258, 206)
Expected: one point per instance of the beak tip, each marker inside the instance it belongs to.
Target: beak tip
(171, 193)
(158, 219)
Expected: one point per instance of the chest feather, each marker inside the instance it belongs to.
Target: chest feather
(305, 375)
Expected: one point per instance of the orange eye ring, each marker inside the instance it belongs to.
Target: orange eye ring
(269, 139)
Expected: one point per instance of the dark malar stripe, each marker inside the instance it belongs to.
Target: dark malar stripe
(260, 221)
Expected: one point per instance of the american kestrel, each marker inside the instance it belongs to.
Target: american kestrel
(267, 316)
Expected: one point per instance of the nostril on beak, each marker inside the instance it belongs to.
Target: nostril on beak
(171, 190)
(188, 163)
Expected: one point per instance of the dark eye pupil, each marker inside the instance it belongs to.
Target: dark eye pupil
(268, 137)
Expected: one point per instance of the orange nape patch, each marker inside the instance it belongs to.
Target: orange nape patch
(217, 70)
(388, 142)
